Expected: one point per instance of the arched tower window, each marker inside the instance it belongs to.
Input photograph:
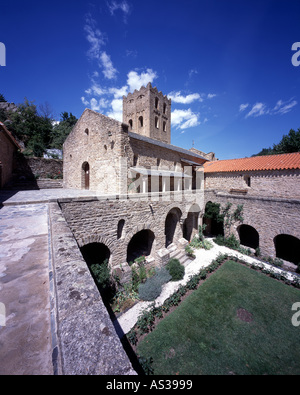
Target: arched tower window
(156, 102)
(130, 124)
(164, 126)
(141, 122)
(156, 123)
(164, 108)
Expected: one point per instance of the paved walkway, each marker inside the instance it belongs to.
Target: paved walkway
(25, 340)
(12, 198)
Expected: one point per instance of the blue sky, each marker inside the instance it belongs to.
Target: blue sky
(225, 64)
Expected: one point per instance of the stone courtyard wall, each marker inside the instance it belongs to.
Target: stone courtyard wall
(276, 183)
(270, 216)
(96, 220)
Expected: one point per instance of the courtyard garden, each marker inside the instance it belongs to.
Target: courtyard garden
(234, 320)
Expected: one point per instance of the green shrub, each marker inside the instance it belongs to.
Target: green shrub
(230, 242)
(101, 274)
(176, 269)
(190, 252)
(152, 288)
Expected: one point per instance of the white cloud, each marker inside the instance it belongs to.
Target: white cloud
(183, 119)
(176, 97)
(136, 81)
(94, 37)
(192, 72)
(97, 40)
(243, 107)
(257, 110)
(119, 92)
(84, 101)
(113, 6)
(117, 110)
(284, 107)
(211, 95)
(111, 99)
(108, 69)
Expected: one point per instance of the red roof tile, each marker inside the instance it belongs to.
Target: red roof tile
(268, 162)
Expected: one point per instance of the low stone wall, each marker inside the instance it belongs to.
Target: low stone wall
(87, 342)
(46, 168)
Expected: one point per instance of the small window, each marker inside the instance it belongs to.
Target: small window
(86, 131)
(130, 124)
(164, 126)
(156, 102)
(135, 160)
(141, 122)
(164, 108)
(156, 123)
(248, 180)
(121, 224)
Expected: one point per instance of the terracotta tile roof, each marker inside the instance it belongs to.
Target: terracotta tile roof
(268, 162)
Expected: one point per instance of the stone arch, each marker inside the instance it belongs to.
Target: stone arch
(99, 239)
(135, 230)
(95, 253)
(248, 235)
(140, 244)
(287, 247)
(191, 223)
(172, 225)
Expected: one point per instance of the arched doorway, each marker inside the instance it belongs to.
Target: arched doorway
(171, 223)
(248, 236)
(85, 177)
(140, 244)
(288, 248)
(213, 220)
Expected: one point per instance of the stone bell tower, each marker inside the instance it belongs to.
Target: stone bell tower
(148, 113)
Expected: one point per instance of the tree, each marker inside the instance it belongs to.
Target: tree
(288, 144)
(2, 99)
(31, 128)
(62, 130)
